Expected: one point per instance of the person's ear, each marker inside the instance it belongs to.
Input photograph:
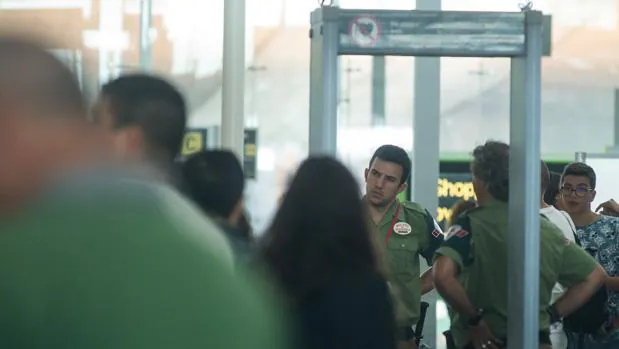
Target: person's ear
(402, 187)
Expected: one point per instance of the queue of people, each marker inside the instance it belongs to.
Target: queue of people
(108, 242)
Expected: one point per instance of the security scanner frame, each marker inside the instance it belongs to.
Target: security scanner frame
(524, 37)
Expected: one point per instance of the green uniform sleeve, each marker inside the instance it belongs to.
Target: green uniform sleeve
(457, 244)
(576, 265)
(435, 238)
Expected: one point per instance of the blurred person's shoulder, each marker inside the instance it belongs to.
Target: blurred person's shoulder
(111, 263)
(130, 204)
(190, 219)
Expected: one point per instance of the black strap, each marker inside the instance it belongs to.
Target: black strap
(568, 223)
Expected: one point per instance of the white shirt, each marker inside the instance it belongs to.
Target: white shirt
(563, 221)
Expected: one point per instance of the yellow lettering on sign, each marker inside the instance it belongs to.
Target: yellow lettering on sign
(454, 190)
(250, 150)
(443, 213)
(193, 142)
(460, 190)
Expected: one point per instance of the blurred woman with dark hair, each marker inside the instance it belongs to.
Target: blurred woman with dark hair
(321, 251)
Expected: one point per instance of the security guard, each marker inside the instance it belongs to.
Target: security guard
(406, 229)
(470, 270)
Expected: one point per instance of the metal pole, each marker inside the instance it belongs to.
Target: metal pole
(581, 157)
(426, 159)
(616, 118)
(378, 90)
(146, 16)
(233, 85)
(324, 86)
(524, 192)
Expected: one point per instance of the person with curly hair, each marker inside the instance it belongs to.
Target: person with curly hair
(476, 248)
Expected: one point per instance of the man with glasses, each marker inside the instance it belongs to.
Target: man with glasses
(599, 235)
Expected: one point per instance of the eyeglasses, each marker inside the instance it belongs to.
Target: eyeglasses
(578, 191)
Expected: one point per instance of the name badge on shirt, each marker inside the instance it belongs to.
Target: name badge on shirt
(402, 228)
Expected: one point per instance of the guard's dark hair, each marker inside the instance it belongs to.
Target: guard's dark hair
(396, 155)
(554, 184)
(545, 179)
(33, 77)
(580, 169)
(491, 165)
(319, 234)
(152, 104)
(215, 181)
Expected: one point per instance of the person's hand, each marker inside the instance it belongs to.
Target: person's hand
(482, 338)
(609, 208)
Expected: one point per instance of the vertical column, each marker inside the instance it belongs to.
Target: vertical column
(524, 173)
(111, 13)
(581, 157)
(378, 90)
(233, 85)
(146, 16)
(324, 84)
(426, 133)
(616, 119)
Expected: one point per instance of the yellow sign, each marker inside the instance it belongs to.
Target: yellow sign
(250, 150)
(450, 190)
(459, 189)
(193, 142)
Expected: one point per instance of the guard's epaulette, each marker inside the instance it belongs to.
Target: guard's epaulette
(412, 206)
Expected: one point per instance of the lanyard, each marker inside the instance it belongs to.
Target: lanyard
(393, 222)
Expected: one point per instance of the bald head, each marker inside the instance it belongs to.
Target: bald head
(34, 80)
(43, 124)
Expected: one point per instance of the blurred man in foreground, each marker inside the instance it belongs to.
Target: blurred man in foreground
(94, 258)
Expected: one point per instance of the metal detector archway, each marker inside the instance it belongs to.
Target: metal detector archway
(524, 37)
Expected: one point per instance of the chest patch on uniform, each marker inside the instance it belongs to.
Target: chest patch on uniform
(456, 230)
(402, 228)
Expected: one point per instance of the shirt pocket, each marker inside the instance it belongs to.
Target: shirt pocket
(402, 254)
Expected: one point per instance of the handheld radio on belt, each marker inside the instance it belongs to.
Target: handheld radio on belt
(420, 323)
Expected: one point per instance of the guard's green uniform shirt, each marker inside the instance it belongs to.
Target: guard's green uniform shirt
(477, 243)
(403, 251)
(125, 266)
